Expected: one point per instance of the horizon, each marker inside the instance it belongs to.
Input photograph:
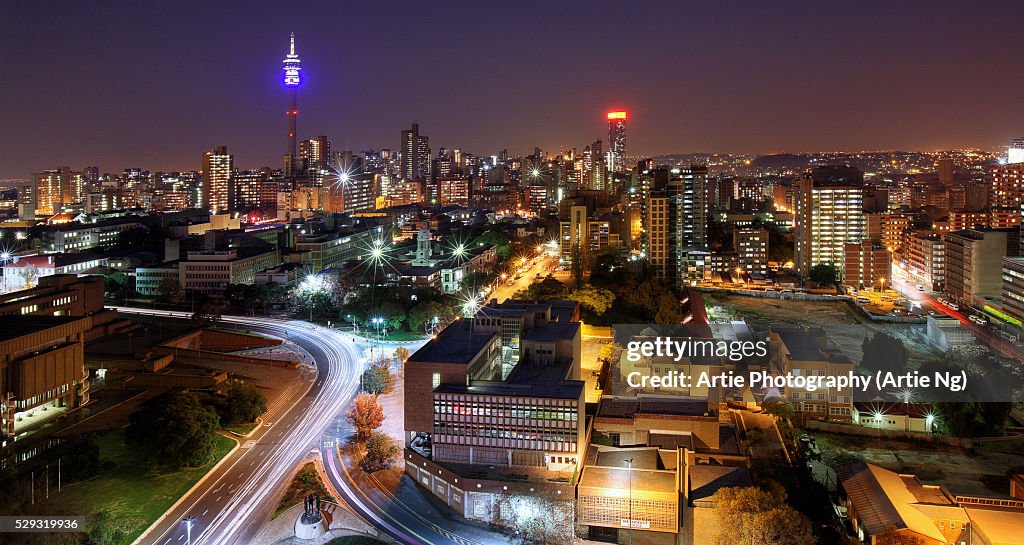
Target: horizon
(96, 90)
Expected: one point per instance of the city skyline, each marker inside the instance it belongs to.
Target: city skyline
(873, 87)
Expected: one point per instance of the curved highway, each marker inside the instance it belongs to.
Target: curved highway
(234, 500)
(231, 504)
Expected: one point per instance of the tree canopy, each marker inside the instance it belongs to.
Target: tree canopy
(178, 430)
(759, 516)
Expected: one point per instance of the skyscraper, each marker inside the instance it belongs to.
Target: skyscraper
(616, 142)
(415, 155)
(216, 186)
(53, 189)
(292, 81)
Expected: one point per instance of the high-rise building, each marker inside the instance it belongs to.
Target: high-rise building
(1006, 194)
(216, 187)
(1015, 154)
(292, 81)
(617, 142)
(676, 218)
(53, 189)
(829, 212)
(315, 153)
(415, 154)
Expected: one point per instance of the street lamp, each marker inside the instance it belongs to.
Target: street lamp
(629, 469)
(188, 529)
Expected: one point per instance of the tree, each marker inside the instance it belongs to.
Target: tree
(598, 300)
(669, 309)
(402, 355)
(778, 407)
(381, 450)
(536, 518)
(245, 403)
(115, 283)
(883, 352)
(177, 430)
(377, 378)
(168, 289)
(423, 314)
(610, 353)
(207, 311)
(759, 516)
(824, 273)
(366, 415)
(576, 265)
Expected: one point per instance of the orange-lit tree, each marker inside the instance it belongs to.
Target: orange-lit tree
(366, 415)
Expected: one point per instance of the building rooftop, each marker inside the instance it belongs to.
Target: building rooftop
(616, 407)
(809, 344)
(12, 327)
(460, 342)
(705, 480)
(883, 501)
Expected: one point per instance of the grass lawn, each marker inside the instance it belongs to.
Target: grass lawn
(242, 429)
(134, 491)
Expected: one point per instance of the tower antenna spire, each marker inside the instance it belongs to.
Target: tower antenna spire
(292, 48)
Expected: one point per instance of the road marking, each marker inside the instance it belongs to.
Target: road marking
(218, 498)
(205, 512)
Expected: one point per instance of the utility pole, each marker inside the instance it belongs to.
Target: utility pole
(629, 464)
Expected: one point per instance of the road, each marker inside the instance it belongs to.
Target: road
(234, 500)
(929, 302)
(543, 264)
(240, 495)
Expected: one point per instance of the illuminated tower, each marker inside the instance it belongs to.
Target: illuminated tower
(292, 81)
(617, 141)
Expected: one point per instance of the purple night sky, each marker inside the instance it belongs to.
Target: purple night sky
(154, 84)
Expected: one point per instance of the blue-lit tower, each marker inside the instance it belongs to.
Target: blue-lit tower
(292, 81)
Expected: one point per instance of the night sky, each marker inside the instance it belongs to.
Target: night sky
(153, 84)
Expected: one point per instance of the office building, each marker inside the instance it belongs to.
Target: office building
(215, 191)
(210, 271)
(494, 393)
(42, 369)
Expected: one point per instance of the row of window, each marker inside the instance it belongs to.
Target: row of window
(462, 408)
(453, 431)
